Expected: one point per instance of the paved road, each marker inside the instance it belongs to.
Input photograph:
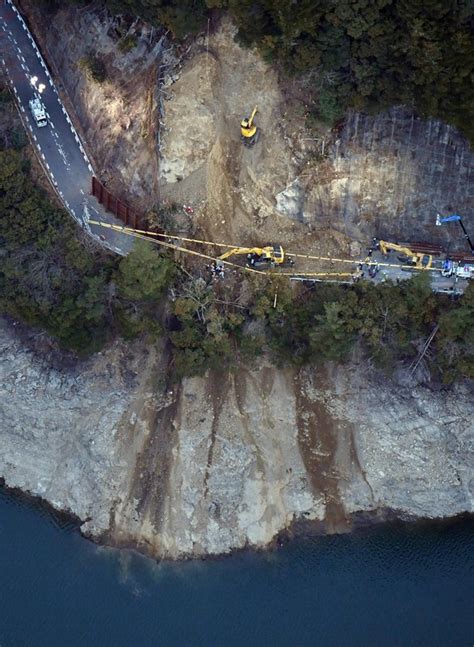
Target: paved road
(58, 145)
(439, 283)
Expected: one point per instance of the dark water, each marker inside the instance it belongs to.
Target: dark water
(387, 586)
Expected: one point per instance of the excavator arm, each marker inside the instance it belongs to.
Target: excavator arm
(386, 247)
(272, 254)
(248, 130)
(237, 251)
(421, 261)
(252, 117)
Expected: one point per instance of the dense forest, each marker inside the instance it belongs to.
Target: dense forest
(361, 54)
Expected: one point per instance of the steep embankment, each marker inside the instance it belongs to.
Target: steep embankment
(221, 462)
(224, 462)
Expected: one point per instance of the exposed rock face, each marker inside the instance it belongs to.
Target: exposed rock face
(386, 175)
(60, 428)
(236, 474)
(390, 174)
(218, 463)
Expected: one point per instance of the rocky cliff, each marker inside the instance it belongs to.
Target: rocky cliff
(219, 463)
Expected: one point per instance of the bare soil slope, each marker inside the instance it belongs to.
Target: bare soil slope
(386, 175)
(203, 163)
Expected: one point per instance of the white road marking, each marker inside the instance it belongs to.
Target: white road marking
(24, 66)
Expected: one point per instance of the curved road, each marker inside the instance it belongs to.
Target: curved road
(58, 146)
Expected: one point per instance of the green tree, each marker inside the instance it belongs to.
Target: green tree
(144, 274)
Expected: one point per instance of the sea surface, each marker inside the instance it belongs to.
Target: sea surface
(384, 586)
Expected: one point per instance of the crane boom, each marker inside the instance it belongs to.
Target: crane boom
(456, 218)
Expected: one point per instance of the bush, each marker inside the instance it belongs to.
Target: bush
(93, 67)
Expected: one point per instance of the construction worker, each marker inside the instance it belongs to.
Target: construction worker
(217, 269)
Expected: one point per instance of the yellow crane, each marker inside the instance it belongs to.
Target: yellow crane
(417, 259)
(248, 130)
(268, 256)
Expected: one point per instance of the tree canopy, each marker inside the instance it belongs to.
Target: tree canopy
(361, 54)
(371, 54)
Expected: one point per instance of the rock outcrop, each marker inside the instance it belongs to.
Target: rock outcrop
(218, 463)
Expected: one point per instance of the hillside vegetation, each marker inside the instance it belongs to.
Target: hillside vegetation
(361, 54)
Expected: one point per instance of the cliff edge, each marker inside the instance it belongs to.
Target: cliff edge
(218, 463)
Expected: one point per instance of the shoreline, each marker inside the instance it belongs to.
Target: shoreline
(360, 522)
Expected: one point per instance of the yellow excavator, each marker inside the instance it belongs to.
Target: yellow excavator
(260, 257)
(417, 259)
(248, 130)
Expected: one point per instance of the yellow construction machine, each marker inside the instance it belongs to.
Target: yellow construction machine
(248, 130)
(260, 257)
(417, 259)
